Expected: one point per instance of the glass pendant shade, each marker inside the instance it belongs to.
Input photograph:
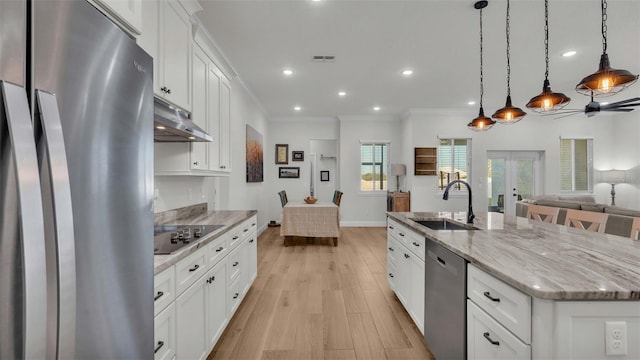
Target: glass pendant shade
(509, 114)
(548, 101)
(481, 123)
(606, 81)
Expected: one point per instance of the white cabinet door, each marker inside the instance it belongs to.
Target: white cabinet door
(165, 334)
(225, 127)
(214, 115)
(176, 54)
(199, 155)
(191, 322)
(417, 292)
(150, 38)
(216, 280)
(250, 258)
(403, 281)
(127, 12)
(487, 339)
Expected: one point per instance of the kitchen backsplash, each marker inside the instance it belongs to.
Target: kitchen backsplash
(172, 192)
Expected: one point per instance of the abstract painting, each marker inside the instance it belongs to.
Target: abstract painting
(255, 168)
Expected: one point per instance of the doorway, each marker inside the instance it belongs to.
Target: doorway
(512, 176)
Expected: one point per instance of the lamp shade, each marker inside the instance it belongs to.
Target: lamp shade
(613, 176)
(397, 169)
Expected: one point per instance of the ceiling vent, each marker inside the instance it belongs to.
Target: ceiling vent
(324, 58)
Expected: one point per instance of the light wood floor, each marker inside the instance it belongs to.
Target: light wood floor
(316, 301)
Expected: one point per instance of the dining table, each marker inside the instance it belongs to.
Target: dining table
(317, 220)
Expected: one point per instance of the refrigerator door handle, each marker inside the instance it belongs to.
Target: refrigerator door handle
(58, 220)
(18, 158)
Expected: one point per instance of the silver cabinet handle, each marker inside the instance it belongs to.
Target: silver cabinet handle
(24, 204)
(58, 214)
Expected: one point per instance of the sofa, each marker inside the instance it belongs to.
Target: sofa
(618, 223)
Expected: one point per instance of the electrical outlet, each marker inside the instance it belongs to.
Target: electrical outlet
(616, 338)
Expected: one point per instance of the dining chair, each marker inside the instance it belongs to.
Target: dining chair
(635, 228)
(586, 220)
(337, 196)
(283, 198)
(541, 213)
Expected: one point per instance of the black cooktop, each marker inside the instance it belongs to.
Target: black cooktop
(170, 238)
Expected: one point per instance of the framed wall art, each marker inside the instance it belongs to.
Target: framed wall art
(297, 156)
(289, 172)
(255, 167)
(324, 175)
(282, 153)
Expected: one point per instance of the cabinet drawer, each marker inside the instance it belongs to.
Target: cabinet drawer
(392, 227)
(508, 306)
(164, 336)
(487, 339)
(235, 236)
(392, 250)
(218, 249)
(164, 289)
(247, 227)
(235, 263)
(416, 244)
(189, 269)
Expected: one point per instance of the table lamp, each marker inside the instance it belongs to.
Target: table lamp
(613, 177)
(397, 170)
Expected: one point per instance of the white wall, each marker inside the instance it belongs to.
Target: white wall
(533, 133)
(178, 191)
(356, 208)
(298, 134)
(625, 156)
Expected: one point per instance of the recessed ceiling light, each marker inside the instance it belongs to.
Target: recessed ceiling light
(604, 103)
(471, 102)
(297, 108)
(316, 0)
(376, 108)
(192, 137)
(569, 53)
(342, 93)
(407, 72)
(160, 127)
(287, 72)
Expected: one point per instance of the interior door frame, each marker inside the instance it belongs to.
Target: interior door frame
(510, 158)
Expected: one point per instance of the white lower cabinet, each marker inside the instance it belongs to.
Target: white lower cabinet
(165, 334)
(405, 269)
(487, 339)
(207, 288)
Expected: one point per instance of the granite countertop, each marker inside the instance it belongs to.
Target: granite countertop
(227, 218)
(547, 261)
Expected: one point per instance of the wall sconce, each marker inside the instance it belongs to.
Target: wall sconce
(613, 177)
(397, 170)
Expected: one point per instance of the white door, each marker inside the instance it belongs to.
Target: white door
(512, 175)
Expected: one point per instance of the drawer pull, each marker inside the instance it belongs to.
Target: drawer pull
(390, 227)
(390, 275)
(391, 249)
(219, 249)
(194, 268)
(406, 256)
(211, 279)
(442, 262)
(253, 224)
(235, 263)
(158, 347)
(488, 294)
(158, 295)
(235, 238)
(415, 244)
(401, 234)
(236, 296)
(488, 337)
(250, 241)
(245, 230)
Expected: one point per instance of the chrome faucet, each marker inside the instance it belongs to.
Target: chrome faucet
(445, 196)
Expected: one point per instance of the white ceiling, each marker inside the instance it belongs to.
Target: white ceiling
(374, 40)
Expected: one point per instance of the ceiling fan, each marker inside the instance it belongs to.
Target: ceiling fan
(595, 107)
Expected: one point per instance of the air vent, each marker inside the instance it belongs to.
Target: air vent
(324, 58)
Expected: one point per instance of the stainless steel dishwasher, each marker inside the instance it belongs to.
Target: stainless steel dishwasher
(445, 315)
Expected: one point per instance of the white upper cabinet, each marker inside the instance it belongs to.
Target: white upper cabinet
(199, 115)
(166, 36)
(126, 13)
(225, 126)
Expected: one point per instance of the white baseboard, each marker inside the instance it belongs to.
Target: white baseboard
(363, 223)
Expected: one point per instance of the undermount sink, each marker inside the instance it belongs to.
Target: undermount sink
(443, 224)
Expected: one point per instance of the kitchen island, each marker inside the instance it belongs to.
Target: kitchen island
(575, 287)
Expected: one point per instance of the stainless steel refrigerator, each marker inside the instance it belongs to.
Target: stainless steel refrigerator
(76, 185)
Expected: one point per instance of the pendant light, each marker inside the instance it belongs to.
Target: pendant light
(548, 100)
(509, 114)
(481, 123)
(606, 81)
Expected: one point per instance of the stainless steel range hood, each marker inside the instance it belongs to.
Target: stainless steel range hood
(172, 124)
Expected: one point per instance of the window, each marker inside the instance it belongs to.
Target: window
(454, 163)
(576, 165)
(373, 166)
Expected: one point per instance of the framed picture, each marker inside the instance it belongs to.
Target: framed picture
(255, 166)
(289, 173)
(282, 153)
(324, 175)
(297, 156)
